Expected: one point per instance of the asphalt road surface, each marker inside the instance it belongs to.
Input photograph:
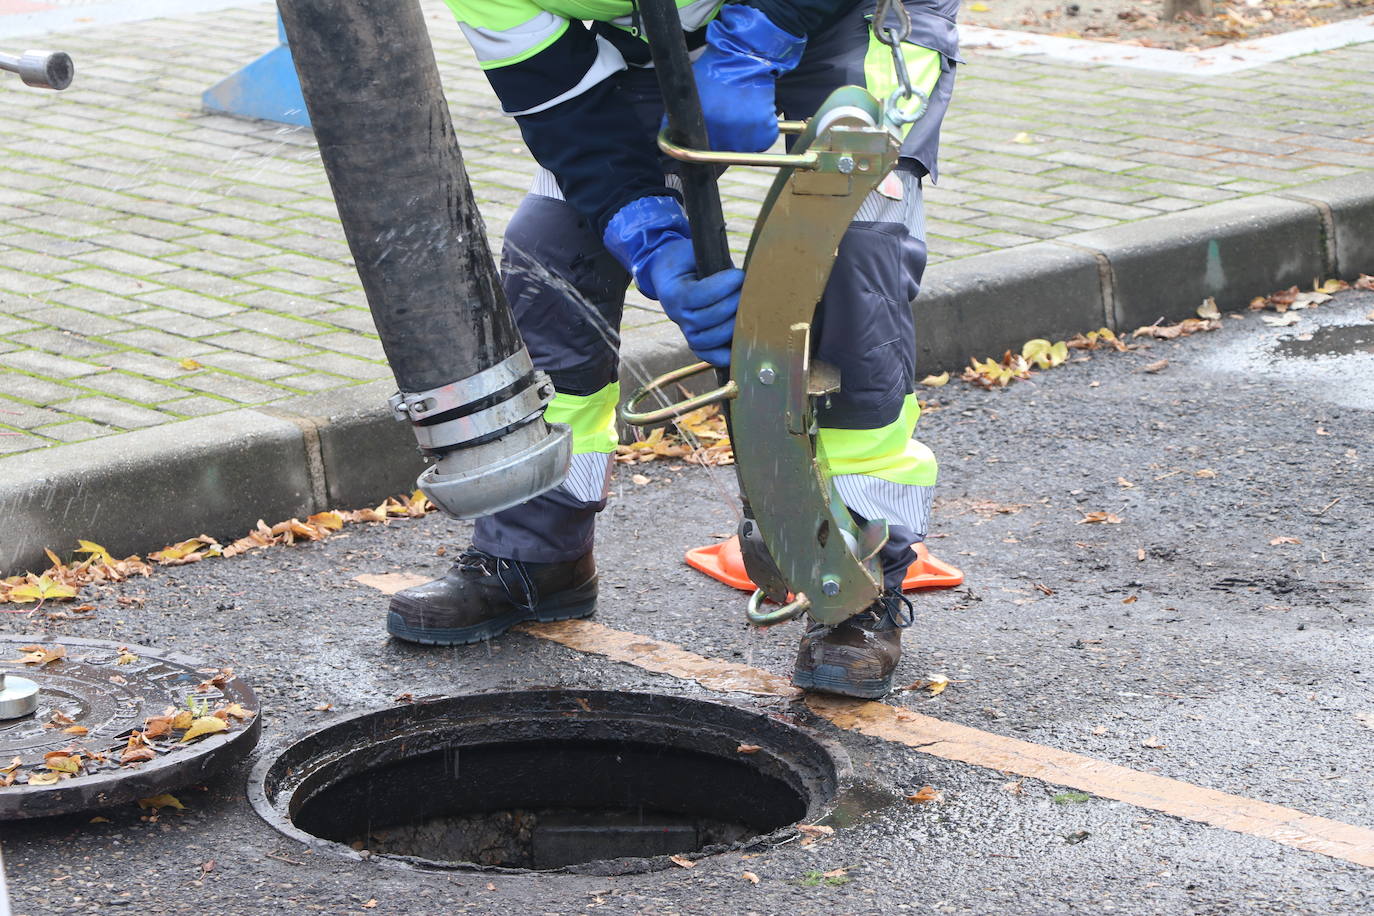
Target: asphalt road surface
(1220, 633)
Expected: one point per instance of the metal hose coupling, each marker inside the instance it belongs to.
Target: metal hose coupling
(487, 431)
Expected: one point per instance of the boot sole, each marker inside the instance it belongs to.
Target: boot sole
(832, 679)
(574, 604)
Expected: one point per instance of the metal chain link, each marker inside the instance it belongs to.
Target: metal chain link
(893, 38)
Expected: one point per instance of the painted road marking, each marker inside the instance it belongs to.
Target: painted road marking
(951, 741)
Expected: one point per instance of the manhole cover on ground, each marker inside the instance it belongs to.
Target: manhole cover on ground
(590, 781)
(90, 701)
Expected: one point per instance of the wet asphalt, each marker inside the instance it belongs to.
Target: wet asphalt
(1250, 661)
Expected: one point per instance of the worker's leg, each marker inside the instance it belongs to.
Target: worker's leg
(534, 561)
(865, 327)
(567, 293)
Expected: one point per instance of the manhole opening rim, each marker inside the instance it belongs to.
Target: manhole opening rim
(274, 806)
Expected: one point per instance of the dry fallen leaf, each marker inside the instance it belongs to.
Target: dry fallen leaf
(75, 730)
(926, 795)
(1014, 788)
(189, 363)
(750, 877)
(44, 779)
(640, 480)
(749, 748)
(682, 862)
(1283, 540)
(1280, 321)
(1044, 355)
(935, 381)
(1154, 742)
(1208, 309)
(1157, 366)
(1205, 473)
(991, 373)
(1096, 518)
(1123, 482)
(371, 904)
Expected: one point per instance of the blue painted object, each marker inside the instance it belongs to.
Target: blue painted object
(267, 89)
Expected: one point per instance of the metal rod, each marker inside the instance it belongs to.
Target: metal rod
(687, 128)
(807, 160)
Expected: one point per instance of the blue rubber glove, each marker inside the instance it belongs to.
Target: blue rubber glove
(651, 238)
(745, 54)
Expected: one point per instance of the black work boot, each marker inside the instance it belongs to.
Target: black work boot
(856, 658)
(484, 596)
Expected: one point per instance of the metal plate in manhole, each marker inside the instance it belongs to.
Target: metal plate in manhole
(90, 702)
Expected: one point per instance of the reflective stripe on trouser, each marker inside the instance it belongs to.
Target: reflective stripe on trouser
(558, 525)
(885, 474)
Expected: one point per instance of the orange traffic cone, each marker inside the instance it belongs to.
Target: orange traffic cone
(723, 562)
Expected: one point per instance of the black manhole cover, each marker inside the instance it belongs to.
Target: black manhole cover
(590, 781)
(109, 691)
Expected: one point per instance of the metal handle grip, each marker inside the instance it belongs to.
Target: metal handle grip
(653, 417)
(809, 160)
(790, 611)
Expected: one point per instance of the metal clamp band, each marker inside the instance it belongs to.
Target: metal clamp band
(491, 420)
(413, 406)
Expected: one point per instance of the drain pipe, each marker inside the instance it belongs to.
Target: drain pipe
(467, 385)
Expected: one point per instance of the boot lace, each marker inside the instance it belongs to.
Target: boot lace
(892, 609)
(512, 575)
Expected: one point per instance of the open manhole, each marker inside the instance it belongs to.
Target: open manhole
(590, 781)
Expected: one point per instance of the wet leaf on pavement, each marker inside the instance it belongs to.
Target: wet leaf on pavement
(158, 802)
(205, 725)
(40, 655)
(1184, 328)
(926, 795)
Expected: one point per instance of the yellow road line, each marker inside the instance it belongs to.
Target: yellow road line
(951, 741)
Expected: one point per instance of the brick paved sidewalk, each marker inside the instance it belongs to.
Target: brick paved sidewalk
(159, 263)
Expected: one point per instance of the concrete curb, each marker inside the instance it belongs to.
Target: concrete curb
(219, 474)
